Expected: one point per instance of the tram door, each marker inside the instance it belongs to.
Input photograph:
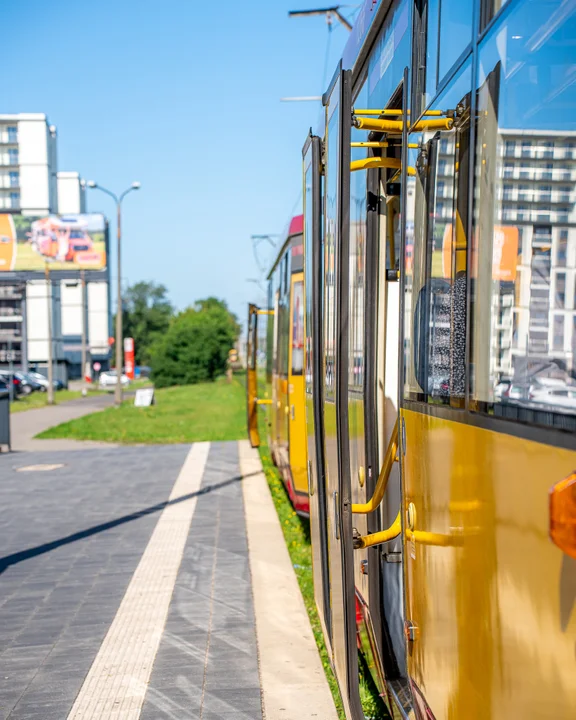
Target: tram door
(312, 194)
(252, 378)
(335, 370)
(297, 420)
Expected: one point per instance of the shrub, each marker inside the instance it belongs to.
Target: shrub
(195, 347)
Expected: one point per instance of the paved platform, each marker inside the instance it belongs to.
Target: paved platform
(24, 426)
(133, 584)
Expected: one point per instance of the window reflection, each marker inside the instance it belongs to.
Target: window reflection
(523, 308)
(436, 255)
(330, 249)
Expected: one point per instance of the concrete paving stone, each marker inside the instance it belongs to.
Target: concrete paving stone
(244, 699)
(209, 567)
(65, 570)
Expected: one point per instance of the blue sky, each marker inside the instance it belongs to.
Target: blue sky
(185, 97)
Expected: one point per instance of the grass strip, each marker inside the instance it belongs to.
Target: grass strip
(182, 414)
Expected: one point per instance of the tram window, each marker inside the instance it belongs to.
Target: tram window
(298, 328)
(357, 261)
(448, 34)
(330, 209)
(523, 96)
(270, 331)
(435, 267)
(455, 32)
(308, 239)
(392, 55)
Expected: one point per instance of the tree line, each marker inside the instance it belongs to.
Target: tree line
(181, 348)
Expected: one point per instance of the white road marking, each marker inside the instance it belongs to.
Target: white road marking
(116, 683)
(294, 686)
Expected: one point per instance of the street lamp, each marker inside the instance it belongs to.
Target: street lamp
(118, 200)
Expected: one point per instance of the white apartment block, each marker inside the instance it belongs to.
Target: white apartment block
(71, 193)
(30, 184)
(28, 164)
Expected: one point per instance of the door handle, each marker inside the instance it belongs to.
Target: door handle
(292, 412)
(336, 517)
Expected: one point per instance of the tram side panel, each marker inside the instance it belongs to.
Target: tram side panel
(487, 589)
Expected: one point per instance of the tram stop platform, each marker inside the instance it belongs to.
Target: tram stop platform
(150, 582)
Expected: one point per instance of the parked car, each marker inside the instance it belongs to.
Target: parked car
(554, 396)
(17, 388)
(43, 381)
(109, 379)
(29, 384)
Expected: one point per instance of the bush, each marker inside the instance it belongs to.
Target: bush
(195, 347)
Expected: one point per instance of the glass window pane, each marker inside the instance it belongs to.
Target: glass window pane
(436, 255)
(524, 95)
(433, 21)
(298, 328)
(455, 31)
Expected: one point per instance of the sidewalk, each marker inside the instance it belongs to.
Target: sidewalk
(24, 426)
(152, 583)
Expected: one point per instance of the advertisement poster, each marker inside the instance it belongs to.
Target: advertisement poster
(65, 242)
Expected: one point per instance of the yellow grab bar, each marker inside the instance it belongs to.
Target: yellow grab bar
(265, 312)
(364, 541)
(263, 402)
(375, 162)
(395, 126)
(382, 481)
(370, 144)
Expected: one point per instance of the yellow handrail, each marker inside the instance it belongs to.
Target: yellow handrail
(369, 144)
(395, 126)
(265, 312)
(364, 541)
(263, 402)
(382, 481)
(375, 162)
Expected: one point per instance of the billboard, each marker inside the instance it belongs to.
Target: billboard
(64, 242)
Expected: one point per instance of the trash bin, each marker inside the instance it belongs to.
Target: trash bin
(5, 418)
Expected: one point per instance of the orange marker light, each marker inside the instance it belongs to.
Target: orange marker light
(563, 515)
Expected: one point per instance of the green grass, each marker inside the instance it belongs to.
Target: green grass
(40, 399)
(297, 536)
(189, 413)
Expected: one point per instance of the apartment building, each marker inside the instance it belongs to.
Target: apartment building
(28, 164)
(31, 185)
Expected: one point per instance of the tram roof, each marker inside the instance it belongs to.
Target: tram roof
(295, 228)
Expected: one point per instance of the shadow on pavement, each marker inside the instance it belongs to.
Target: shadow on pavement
(18, 557)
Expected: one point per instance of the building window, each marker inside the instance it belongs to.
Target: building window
(558, 333)
(14, 178)
(12, 156)
(560, 292)
(12, 134)
(510, 147)
(562, 249)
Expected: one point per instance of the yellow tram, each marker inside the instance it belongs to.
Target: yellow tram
(284, 381)
(440, 365)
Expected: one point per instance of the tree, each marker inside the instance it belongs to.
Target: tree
(195, 347)
(146, 315)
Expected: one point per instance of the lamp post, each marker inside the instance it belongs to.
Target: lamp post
(118, 200)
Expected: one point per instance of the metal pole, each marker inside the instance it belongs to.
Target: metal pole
(118, 389)
(50, 390)
(83, 303)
